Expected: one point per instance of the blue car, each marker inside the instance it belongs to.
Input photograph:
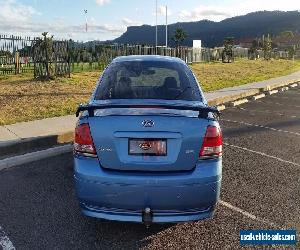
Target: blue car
(147, 147)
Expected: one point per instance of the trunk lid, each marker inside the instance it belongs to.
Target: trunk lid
(183, 136)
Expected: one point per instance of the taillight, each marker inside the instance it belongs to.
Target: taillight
(83, 144)
(212, 143)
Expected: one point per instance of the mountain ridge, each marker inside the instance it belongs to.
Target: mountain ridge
(212, 33)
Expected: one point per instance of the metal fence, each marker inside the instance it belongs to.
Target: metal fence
(16, 54)
(34, 55)
(86, 56)
(51, 58)
(38, 56)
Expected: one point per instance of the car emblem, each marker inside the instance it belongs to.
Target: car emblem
(145, 146)
(148, 123)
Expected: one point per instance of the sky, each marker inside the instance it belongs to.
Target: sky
(108, 19)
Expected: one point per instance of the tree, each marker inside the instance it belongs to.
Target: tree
(267, 47)
(43, 57)
(253, 51)
(292, 51)
(286, 34)
(227, 54)
(5, 53)
(179, 36)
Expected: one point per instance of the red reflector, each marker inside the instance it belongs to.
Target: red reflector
(212, 142)
(83, 143)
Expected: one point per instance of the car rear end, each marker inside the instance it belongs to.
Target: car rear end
(138, 155)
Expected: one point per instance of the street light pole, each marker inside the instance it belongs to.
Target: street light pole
(156, 29)
(86, 21)
(166, 26)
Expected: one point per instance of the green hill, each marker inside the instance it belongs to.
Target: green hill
(212, 33)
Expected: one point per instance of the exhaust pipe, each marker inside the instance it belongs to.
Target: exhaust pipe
(147, 216)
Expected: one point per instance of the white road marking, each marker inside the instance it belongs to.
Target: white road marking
(5, 242)
(281, 97)
(261, 126)
(280, 104)
(247, 214)
(265, 111)
(262, 154)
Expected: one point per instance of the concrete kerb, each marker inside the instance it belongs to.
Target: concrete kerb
(294, 85)
(272, 92)
(221, 107)
(25, 146)
(284, 89)
(256, 97)
(233, 97)
(34, 156)
(238, 102)
(277, 85)
(255, 94)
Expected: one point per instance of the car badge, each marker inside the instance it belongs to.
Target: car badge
(145, 146)
(148, 123)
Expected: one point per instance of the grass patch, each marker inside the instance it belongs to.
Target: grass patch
(214, 76)
(24, 99)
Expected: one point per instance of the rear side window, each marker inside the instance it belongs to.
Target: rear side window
(148, 80)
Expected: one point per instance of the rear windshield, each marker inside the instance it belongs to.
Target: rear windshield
(148, 80)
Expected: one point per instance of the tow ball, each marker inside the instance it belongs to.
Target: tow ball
(147, 216)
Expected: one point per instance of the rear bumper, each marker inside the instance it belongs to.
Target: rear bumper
(136, 216)
(172, 197)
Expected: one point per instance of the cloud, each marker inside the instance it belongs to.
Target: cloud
(102, 2)
(235, 8)
(58, 27)
(17, 19)
(12, 11)
(161, 11)
(246, 6)
(128, 22)
(205, 12)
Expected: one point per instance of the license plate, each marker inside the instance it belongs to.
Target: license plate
(147, 147)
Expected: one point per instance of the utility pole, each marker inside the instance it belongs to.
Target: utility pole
(86, 21)
(166, 26)
(156, 29)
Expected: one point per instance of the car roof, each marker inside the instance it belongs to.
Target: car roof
(148, 58)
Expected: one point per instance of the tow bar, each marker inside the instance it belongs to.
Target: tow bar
(147, 216)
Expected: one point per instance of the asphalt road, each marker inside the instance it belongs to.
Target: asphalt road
(261, 189)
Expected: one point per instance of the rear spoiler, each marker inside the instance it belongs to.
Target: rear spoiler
(203, 111)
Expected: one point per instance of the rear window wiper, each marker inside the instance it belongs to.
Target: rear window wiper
(203, 110)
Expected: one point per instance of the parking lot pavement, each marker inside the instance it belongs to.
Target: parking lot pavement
(261, 189)
(262, 168)
(40, 211)
(280, 111)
